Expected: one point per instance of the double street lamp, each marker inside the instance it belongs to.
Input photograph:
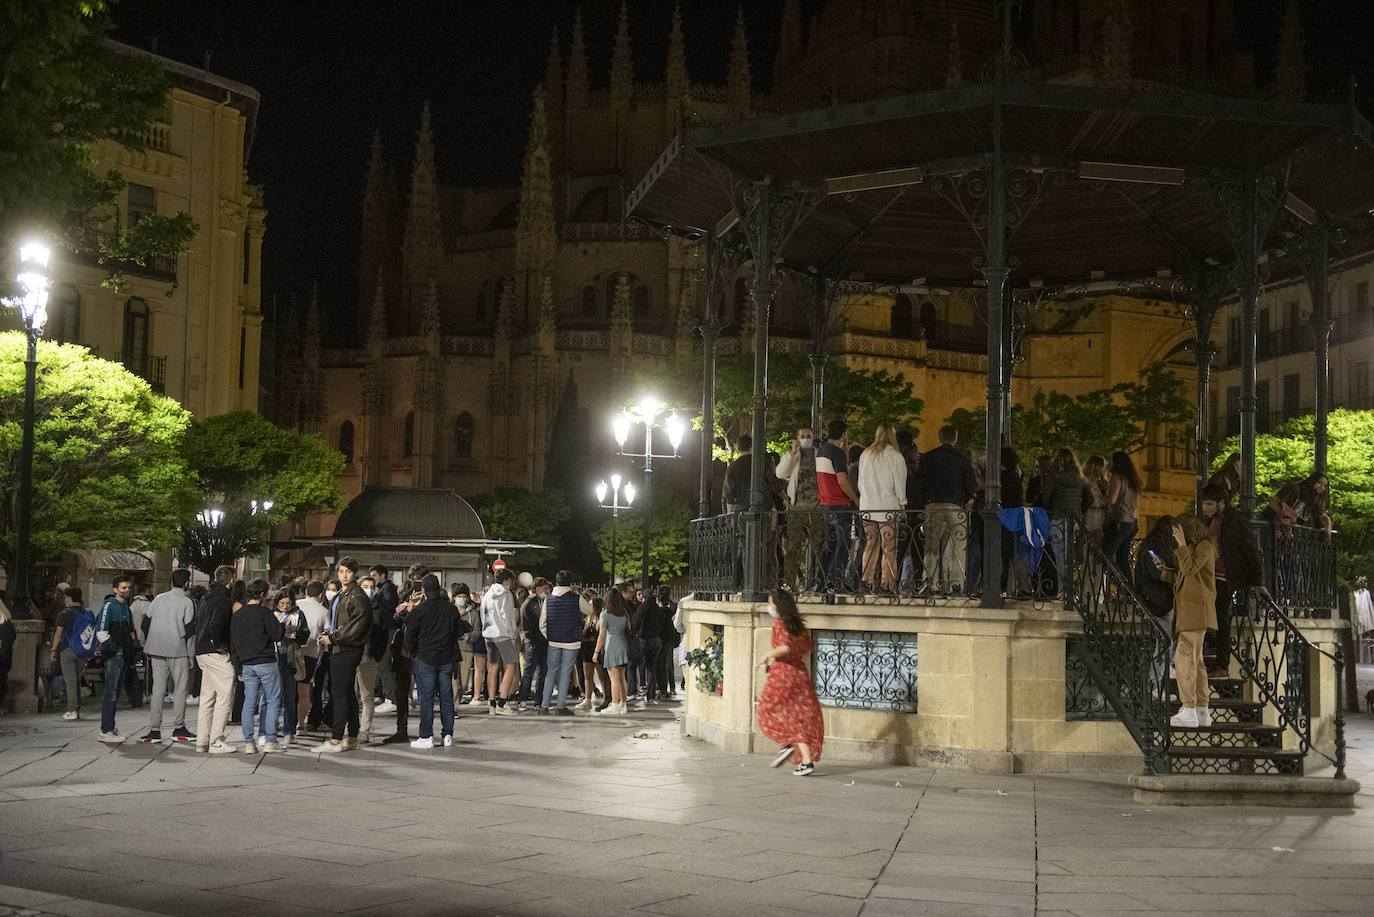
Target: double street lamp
(614, 506)
(648, 413)
(33, 308)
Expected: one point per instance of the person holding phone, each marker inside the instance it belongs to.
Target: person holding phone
(1156, 554)
(1194, 579)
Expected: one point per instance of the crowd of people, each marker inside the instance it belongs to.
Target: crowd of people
(332, 657)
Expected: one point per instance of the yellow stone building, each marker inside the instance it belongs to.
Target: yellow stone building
(503, 325)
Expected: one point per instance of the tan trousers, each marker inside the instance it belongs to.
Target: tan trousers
(887, 531)
(946, 546)
(366, 682)
(1189, 669)
(216, 697)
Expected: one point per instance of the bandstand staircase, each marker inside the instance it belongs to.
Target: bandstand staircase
(1260, 722)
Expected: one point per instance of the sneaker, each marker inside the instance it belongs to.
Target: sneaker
(364, 738)
(1204, 717)
(153, 735)
(396, 739)
(328, 747)
(261, 740)
(271, 748)
(586, 704)
(250, 748)
(112, 737)
(286, 741)
(1186, 718)
(192, 701)
(562, 711)
(783, 754)
(222, 748)
(182, 734)
(71, 715)
(541, 711)
(351, 743)
(521, 706)
(384, 707)
(426, 742)
(804, 770)
(448, 741)
(506, 710)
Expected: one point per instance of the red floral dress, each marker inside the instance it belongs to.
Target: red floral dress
(789, 712)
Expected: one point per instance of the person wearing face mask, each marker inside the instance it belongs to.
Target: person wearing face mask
(321, 699)
(789, 711)
(802, 537)
(462, 597)
(366, 684)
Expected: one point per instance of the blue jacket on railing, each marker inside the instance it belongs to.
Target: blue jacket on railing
(563, 616)
(1032, 525)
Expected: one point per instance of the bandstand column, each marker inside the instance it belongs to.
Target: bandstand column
(710, 333)
(1314, 252)
(1209, 290)
(995, 272)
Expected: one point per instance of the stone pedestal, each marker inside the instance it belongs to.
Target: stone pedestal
(23, 694)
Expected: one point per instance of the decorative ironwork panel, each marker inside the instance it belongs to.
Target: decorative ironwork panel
(1083, 699)
(866, 670)
(714, 553)
(1299, 567)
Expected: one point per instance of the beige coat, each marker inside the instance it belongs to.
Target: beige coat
(1195, 587)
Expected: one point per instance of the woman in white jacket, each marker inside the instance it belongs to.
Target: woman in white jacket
(882, 502)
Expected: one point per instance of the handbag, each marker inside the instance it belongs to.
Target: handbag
(634, 649)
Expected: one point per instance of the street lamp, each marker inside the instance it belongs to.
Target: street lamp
(614, 506)
(33, 308)
(647, 412)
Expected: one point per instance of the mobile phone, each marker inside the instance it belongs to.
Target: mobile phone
(1153, 556)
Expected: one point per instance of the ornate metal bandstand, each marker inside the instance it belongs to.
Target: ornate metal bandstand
(1001, 188)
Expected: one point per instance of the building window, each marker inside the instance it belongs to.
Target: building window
(1263, 350)
(1292, 395)
(641, 301)
(1232, 410)
(589, 301)
(64, 313)
(408, 436)
(142, 203)
(247, 256)
(135, 350)
(346, 441)
(462, 436)
(930, 323)
(903, 319)
(243, 354)
(1362, 296)
(1234, 331)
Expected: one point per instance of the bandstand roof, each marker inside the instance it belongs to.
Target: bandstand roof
(1133, 200)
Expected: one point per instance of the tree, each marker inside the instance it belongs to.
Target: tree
(109, 468)
(1099, 422)
(667, 541)
(1285, 456)
(63, 88)
(239, 458)
(532, 516)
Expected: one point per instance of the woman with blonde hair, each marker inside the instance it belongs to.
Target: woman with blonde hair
(1095, 476)
(882, 501)
(1194, 578)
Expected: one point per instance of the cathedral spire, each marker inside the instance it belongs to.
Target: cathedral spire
(377, 332)
(376, 233)
(429, 315)
(548, 312)
(738, 82)
(676, 81)
(553, 70)
(1290, 82)
(622, 69)
(790, 44)
(578, 77)
(505, 310)
(423, 246)
(310, 338)
(536, 237)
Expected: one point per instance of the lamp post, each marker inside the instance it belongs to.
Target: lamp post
(648, 413)
(614, 507)
(33, 307)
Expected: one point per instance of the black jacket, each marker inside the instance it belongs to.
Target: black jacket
(647, 620)
(1157, 594)
(352, 618)
(254, 635)
(529, 621)
(432, 631)
(1239, 553)
(212, 620)
(945, 476)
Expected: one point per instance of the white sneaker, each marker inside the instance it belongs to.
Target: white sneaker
(222, 748)
(192, 701)
(271, 748)
(112, 737)
(1186, 718)
(385, 707)
(448, 741)
(586, 704)
(287, 740)
(326, 747)
(621, 709)
(70, 715)
(1204, 716)
(507, 710)
(427, 742)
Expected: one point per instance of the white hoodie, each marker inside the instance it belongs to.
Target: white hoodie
(499, 620)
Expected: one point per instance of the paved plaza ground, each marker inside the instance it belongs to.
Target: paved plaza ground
(602, 817)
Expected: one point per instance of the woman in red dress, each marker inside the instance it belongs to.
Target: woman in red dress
(789, 712)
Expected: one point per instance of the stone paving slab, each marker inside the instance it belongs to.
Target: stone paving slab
(539, 817)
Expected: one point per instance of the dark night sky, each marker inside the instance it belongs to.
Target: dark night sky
(331, 73)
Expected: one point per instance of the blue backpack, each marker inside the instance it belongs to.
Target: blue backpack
(81, 640)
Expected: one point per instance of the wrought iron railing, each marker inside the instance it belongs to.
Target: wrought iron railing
(152, 370)
(1276, 658)
(865, 670)
(1124, 647)
(714, 555)
(1299, 567)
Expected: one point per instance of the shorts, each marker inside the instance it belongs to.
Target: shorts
(310, 664)
(501, 651)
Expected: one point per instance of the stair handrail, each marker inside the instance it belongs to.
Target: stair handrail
(1132, 671)
(1284, 685)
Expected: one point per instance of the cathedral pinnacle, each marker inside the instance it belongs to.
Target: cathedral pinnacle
(429, 316)
(578, 77)
(676, 82)
(622, 69)
(548, 312)
(422, 236)
(536, 236)
(376, 231)
(1290, 82)
(310, 340)
(553, 70)
(790, 44)
(738, 82)
(621, 313)
(505, 311)
(1115, 69)
(377, 324)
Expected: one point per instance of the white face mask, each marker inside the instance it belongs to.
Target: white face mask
(772, 611)
(329, 594)
(461, 600)
(805, 443)
(369, 592)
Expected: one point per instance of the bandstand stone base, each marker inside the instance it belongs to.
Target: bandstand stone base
(1232, 790)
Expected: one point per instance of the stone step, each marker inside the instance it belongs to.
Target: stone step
(1233, 688)
(1228, 710)
(1227, 735)
(1235, 761)
(1228, 790)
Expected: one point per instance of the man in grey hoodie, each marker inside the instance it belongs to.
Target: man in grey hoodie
(170, 653)
(500, 625)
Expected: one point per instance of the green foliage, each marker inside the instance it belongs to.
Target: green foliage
(709, 661)
(1096, 423)
(151, 237)
(1285, 456)
(533, 516)
(109, 467)
(865, 398)
(241, 457)
(667, 541)
(62, 89)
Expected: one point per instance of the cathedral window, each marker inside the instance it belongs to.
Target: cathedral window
(462, 436)
(641, 301)
(903, 317)
(589, 301)
(930, 324)
(346, 441)
(408, 436)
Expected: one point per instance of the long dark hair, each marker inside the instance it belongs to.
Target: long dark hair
(616, 603)
(1125, 470)
(787, 611)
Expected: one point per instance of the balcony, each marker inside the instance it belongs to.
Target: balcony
(1351, 326)
(88, 242)
(159, 137)
(152, 370)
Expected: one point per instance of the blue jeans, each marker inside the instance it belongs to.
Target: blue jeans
(109, 694)
(532, 679)
(1116, 544)
(261, 681)
(561, 664)
(428, 678)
